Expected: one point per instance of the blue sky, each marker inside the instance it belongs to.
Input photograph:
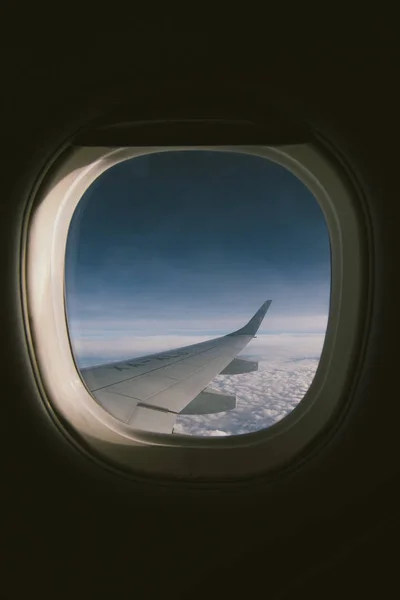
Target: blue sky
(171, 246)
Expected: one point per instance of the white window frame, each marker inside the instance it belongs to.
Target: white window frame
(98, 433)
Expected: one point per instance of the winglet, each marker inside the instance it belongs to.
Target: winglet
(253, 325)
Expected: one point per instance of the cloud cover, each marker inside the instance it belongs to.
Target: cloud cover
(262, 398)
(287, 366)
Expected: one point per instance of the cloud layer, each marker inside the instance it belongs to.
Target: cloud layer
(287, 365)
(263, 398)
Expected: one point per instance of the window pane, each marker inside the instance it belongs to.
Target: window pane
(176, 248)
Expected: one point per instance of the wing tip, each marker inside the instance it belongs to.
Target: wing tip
(253, 325)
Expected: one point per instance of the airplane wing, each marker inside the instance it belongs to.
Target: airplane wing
(149, 392)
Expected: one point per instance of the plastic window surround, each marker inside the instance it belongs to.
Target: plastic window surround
(94, 430)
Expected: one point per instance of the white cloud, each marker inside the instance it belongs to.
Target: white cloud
(286, 370)
(262, 398)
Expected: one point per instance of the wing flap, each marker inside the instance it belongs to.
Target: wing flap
(210, 401)
(120, 407)
(149, 419)
(240, 365)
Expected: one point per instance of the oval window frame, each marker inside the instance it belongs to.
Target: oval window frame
(88, 425)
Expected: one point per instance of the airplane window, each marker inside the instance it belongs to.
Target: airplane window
(197, 287)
